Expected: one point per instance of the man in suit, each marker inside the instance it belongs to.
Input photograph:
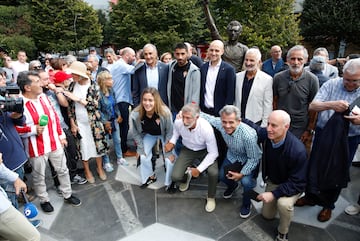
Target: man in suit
(274, 64)
(153, 73)
(95, 69)
(253, 91)
(217, 81)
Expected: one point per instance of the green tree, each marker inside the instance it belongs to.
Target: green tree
(161, 22)
(62, 25)
(15, 30)
(331, 22)
(265, 22)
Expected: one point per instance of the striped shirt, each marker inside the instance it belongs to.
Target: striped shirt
(242, 144)
(333, 90)
(49, 140)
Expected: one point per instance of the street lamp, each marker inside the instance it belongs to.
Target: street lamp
(75, 18)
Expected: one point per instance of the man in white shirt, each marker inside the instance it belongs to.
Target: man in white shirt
(20, 64)
(198, 143)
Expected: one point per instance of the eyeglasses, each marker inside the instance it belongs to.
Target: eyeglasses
(356, 81)
(37, 67)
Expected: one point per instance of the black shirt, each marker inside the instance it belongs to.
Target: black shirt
(247, 84)
(178, 86)
(151, 125)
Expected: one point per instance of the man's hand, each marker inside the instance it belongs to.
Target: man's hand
(306, 136)
(119, 119)
(15, 115)
(354, 118)
(236, 176)
(108, 127)
(194, 172)
(39, 129)
(266, 197)
(19, 185)
(340, 105)
(169, 147)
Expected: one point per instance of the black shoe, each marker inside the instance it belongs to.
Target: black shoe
(230, 191)
(172, 188)
(148, 182)
(47, 207)
(356, 164)
(73, 201)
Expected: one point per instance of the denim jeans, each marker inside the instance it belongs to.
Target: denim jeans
(248, 182)
(146, 164)
(124, 125)
(10, 189)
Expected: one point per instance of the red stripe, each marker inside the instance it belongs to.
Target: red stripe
(49, 125)
(39, 138)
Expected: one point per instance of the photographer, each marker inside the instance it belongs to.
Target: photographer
(10, 142)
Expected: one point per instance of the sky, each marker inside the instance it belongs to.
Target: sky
(98, 4)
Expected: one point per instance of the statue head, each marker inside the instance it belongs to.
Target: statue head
(234, 30)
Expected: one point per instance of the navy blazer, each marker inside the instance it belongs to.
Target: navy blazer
(224, 93)
(139, 82)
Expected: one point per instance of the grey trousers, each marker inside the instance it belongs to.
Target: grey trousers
(185, 159)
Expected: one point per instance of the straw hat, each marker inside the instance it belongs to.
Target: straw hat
(78, 68)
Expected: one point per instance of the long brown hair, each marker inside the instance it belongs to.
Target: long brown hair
(159, 106)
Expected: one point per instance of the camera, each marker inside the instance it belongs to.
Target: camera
(8, 103)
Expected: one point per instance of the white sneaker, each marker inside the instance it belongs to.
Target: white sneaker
(108, 167)
(210, 205)
(185, 186)
(122, 161)
(352, 209)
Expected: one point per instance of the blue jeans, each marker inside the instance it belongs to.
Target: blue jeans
(248, 182)
(10, 189)
(146, 164)
(115, 135)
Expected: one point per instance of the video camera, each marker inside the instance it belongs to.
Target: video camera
(8, 103)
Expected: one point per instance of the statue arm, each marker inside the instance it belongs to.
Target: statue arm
(210, 22)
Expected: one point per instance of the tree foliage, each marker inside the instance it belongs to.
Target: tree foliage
(265, 22)
(62, 25)
(161, 22)
(15, 31)
(331, 21)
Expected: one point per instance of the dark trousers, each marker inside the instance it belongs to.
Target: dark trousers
(124, 125)
(72, 157)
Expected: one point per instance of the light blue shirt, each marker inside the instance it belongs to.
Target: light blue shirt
(121, 74)
(242, 144)
(9, 176)
(333, 90)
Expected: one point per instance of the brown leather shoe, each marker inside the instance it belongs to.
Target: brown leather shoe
(129, 153)
(304, 202)
(324, 215)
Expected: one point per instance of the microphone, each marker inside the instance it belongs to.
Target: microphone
(43, 120)
(30, 210)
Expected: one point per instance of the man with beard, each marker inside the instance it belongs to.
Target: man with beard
(253, 91)
(293, 90)
(198, 143)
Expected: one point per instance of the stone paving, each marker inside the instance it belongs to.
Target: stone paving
(117, 209)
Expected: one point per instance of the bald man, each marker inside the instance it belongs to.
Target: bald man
(274, 64)
(217, 81)
(284, 169)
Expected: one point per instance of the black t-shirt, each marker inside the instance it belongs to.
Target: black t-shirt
(178, 86)
(247, 84)
(151, 125)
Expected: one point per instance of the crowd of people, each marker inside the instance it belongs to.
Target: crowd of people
(296, 125)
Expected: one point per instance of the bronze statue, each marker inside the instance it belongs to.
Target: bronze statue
(234, 51)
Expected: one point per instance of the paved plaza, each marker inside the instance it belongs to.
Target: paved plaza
(117, 209)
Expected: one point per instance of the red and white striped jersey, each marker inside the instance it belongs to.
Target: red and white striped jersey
(49, 140)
